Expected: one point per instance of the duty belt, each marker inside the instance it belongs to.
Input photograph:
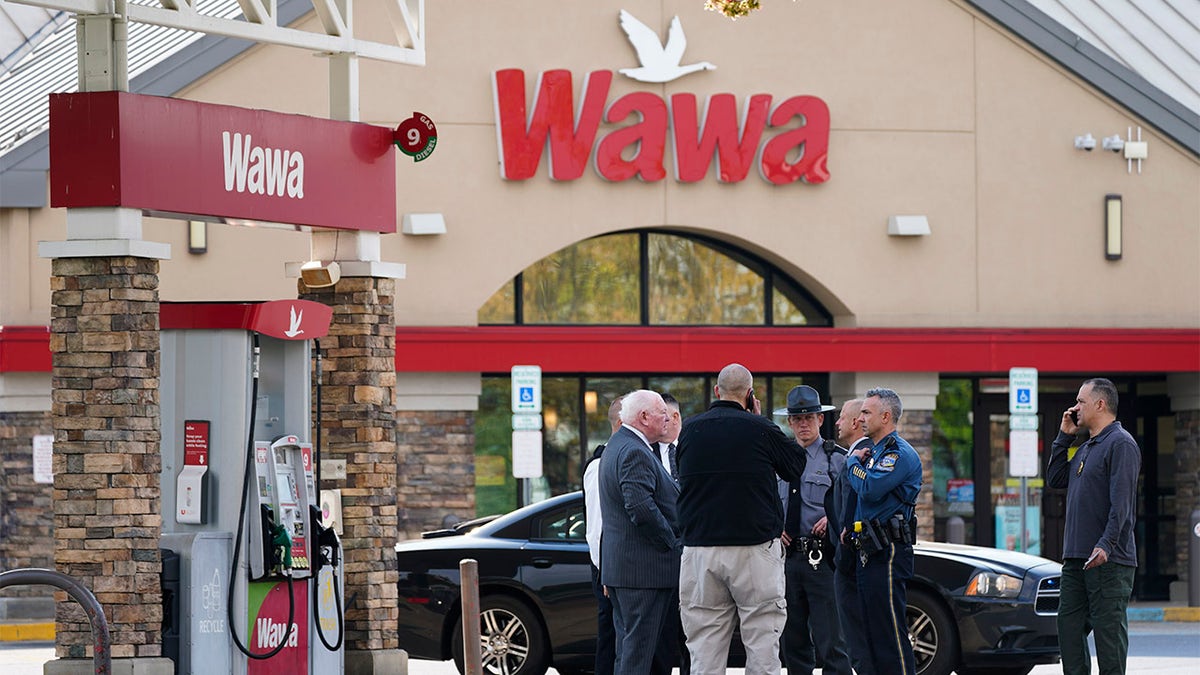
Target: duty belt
(811, 547)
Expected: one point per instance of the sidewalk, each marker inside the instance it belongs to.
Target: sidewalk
(15, 630)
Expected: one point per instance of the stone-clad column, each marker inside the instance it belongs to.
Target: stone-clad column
(105, 407)
(1184, 390)
(358, 424)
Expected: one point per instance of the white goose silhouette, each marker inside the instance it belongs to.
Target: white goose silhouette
(659, 63)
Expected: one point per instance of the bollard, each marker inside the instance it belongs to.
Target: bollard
(468, 572)
(1193, 566)
(956, 530)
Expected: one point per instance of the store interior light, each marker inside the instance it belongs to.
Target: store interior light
(590, 401)
(1113, 217)
(197, 236)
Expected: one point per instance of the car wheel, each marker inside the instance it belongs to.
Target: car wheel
(931, 630)
(511, 639)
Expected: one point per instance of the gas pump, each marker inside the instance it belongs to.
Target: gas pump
(236, 417)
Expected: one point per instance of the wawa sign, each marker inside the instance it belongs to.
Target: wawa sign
(767, 137)
(183, 157)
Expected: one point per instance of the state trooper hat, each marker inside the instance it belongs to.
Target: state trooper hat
(802, 400)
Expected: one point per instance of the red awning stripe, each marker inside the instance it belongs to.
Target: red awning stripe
(637, 349)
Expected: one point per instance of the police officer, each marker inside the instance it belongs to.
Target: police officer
(886, 476)
(812, 614)
(841, 502)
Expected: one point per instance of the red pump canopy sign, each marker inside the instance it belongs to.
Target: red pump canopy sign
(183, 157)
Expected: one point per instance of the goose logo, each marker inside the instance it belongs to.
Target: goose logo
(294, 328)
(660, 63)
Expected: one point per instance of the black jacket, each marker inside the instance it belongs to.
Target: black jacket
(728, 491)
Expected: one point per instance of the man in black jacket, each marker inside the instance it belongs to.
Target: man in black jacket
(730, 520)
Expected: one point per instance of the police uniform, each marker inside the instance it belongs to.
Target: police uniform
(813, 627)
(887, 486)
(840, 505)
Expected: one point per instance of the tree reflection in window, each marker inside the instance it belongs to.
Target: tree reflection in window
(652, 278)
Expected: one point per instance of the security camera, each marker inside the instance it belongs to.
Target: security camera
(1085, 142)
(1113, 143)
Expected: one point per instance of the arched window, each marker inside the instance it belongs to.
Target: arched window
(643, 278)
(653, 278)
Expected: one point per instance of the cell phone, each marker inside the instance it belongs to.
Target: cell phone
(1074, 417)
(750, 401)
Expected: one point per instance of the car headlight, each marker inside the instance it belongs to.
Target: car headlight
(992, 585)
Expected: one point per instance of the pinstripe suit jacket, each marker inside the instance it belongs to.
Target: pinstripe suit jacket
(639, 545)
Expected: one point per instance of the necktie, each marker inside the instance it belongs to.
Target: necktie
(791, 520)
(671, 459)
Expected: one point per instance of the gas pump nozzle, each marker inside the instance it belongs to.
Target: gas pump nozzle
(327, 546)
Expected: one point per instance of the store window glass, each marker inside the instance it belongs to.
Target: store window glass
(953, 459)
(575, 421)
(500, 308)
(495, 487)
(592, 282)
(654, 279)
(692, 284)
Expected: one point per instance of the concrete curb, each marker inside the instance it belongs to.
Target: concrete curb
(27, 632)
(1163, 613)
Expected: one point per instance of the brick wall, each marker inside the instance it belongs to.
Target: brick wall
(26, 514)
(435, 452)
(104, 342)
(916, 427)
(1187, 483)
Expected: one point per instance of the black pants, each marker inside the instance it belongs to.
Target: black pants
(606, 637)
(813, 628)
(882, 585)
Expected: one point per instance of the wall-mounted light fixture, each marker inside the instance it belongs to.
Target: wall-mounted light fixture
(197, 236)
(423, 223)
(1085, 142)
(908, 226)
(1112, 227)
(319, 274)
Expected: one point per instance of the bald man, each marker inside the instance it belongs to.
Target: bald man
(731, 518)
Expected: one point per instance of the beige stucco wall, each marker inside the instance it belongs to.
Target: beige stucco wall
(934, 111)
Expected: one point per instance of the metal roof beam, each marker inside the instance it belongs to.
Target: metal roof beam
(407, 16)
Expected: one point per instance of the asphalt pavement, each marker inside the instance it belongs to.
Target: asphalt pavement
(1158, 647)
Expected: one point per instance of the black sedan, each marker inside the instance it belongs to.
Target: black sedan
(972, 610)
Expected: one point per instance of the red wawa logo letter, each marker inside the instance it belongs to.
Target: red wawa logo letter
(738, 145)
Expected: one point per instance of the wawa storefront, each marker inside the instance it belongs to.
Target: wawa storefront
(841, 195)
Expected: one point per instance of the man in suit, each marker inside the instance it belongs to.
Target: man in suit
(606, 638)
(639, 555)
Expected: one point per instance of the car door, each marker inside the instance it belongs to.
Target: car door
(557, 571)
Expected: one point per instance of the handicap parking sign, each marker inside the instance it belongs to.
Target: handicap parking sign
(526, 389)
(1022, 391)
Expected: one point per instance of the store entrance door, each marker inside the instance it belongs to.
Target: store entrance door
(1044, 508)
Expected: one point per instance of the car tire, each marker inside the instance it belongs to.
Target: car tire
(931, 630)
(513, 642)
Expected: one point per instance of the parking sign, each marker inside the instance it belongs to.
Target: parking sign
(1022, 390)
(527, 389)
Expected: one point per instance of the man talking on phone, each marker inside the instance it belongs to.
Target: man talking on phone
(731, 519)
(1099, 554)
